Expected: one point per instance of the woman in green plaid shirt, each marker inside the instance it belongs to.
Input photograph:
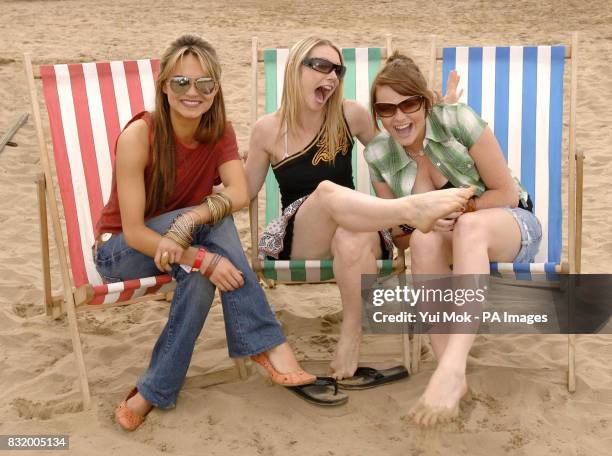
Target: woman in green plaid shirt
(429, 146)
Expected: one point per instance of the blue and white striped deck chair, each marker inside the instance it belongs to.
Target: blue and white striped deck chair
(518, 90)
(362, 65)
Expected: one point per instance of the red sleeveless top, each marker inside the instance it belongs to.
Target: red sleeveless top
(196, 173)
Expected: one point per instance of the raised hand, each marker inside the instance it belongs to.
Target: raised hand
(452, 96)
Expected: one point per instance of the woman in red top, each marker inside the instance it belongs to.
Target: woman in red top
(162, 216)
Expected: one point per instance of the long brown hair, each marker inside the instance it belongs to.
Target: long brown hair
(334, 126)
(210, 129)
(404, 76)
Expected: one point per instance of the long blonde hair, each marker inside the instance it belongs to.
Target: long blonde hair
(334, 127)
(210, 130)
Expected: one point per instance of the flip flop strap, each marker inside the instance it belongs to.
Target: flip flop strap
(327, 381)
(368, 372)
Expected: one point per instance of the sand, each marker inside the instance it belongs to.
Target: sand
(520, 403)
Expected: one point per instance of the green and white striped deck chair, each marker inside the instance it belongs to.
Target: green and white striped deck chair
(518, 90)
(362, 65)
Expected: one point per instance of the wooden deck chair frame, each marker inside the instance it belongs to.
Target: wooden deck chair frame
(75, 299)
(399, 264)
(574, 175)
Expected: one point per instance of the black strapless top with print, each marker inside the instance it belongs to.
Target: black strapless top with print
(299, 174)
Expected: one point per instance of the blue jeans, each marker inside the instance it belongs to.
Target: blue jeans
(250, 325)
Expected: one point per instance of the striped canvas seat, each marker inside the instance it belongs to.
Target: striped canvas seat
(362, 65)
(518, 91)
(88, 106)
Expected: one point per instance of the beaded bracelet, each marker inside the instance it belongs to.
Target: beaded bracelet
(471, 205)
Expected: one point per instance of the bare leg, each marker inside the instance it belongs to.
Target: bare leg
(356, 211)
(354, 254)
(478, 237)
(431, 253)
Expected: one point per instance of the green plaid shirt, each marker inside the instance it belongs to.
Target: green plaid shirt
(451, 131)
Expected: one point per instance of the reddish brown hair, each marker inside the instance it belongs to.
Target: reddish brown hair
(404, 76)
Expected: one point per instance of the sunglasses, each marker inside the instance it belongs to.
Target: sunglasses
(181, 84)
(324, 66)
(409, 105)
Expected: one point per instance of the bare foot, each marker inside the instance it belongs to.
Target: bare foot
(440, 401)
(346, 357)
(283, 359)
(424, 209)
(139, 405)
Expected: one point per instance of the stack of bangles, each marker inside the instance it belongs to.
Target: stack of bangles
(197, 263)
(181, 229)
(219, 205)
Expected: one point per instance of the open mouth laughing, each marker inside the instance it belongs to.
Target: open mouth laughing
(323, 92)
(405, 129)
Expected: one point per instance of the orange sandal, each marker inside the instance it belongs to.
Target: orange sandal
(295, 378)
(128, 419)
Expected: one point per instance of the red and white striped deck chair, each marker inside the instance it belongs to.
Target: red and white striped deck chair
(88, 105)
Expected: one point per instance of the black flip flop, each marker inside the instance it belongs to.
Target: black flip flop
(368, 377)
(324, 391)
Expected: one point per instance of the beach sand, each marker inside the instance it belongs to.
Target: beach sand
(520, 402)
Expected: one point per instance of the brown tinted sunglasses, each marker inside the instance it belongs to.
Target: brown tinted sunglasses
(407, 106)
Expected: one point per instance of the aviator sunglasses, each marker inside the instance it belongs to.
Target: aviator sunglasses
(181, 84)
(409, 105)
(324, 66)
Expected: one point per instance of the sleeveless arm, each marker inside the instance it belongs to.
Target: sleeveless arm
(258, 161)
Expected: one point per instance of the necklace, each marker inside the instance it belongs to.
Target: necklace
(420, 153)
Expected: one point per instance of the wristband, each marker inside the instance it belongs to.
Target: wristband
(407, 229)
(401, 235)
(213, 264)
(197, 263)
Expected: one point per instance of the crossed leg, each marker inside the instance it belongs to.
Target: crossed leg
(341, 223)
(478, 238)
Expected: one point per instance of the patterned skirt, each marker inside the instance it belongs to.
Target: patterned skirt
(280, 231)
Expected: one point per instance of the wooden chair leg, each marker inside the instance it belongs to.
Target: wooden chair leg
(44, 243)
(241, 368)
(269, 283)
(406, 351)
(78, 351)
(416, 353)
(571, 363)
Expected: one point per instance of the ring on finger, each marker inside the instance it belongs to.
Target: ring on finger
(163, 261)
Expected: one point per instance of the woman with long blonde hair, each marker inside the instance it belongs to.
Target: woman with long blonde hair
(308, 144)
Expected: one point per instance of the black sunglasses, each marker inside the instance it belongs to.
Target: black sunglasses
(181, 84)
(407, 106)
(324, 66)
